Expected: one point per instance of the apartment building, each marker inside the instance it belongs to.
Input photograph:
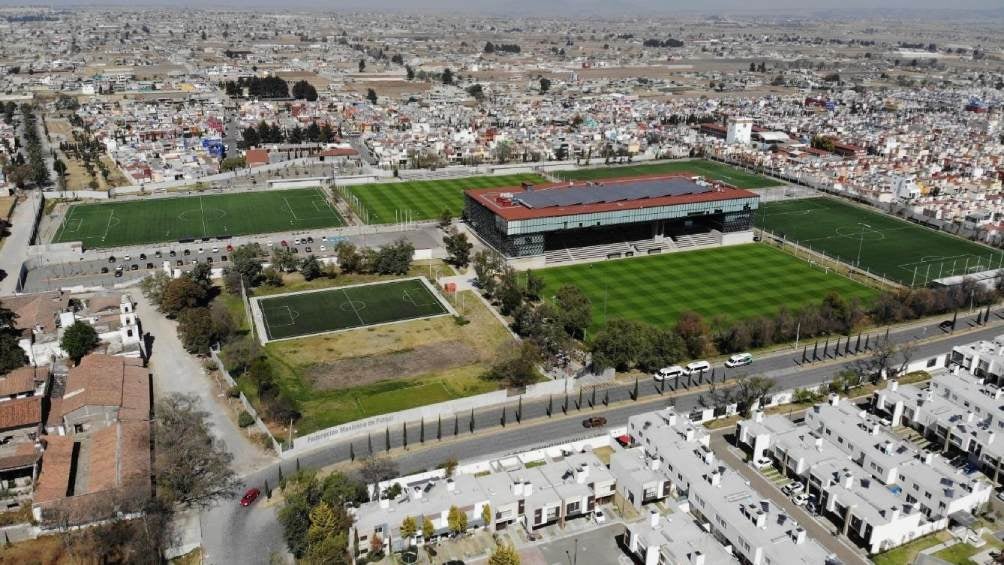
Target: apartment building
(757, 531)
(674, 540)
(531, 496)
(878, 488)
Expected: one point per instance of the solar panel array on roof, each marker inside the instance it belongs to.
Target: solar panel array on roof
(615, 192)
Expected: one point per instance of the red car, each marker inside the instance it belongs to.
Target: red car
(230, 247)
(250, 496)
(284, 243)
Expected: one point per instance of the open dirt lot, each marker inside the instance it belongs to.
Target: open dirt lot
(400, 364)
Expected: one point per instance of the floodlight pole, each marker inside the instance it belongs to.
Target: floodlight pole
(861, 242)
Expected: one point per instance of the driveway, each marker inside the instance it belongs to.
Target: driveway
(230, 533)
(838, 545)
(15, 247)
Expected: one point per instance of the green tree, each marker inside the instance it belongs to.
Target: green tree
(232, 163)
(362, 65)
(486, 516)
(428, 529)
(516, 365)
(11, 354)
(246, 260)
(545, 84)
(409, 72)
(322, 523)
(408, 529)
(458, 248)
(456, 520)
(283, 259)
(371, 95)
(476, 91)
(310, 268)
(575, 310)
(180, 294)
(447, 76)
(692, 329)
(620, 344)
(504, 554)
(395, 259)
(349, 259)
(79, 340)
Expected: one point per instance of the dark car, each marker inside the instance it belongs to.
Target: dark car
(174, 253)
(594, 422)
(310, 240)
(111, 259)
(104, 270)
(250, 496)
(142, 256)
(149, 265)
(946, 325)
(134, 267)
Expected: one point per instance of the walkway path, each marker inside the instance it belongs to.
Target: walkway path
(15, 247)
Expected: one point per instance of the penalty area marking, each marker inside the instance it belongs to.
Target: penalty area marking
(291, 314)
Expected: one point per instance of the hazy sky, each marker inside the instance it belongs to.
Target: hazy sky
(570, 8)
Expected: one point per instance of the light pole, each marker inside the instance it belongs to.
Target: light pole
(861, 242)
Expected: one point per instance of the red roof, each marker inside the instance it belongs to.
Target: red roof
(490, 198)
(256, 157)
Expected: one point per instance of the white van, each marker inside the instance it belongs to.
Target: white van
(669, 373)
(739, 360)
(697, 367)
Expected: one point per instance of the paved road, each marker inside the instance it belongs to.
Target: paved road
(489, 439)
(15, 247)
(174, 370)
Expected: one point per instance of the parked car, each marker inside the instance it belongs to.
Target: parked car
(946, 325)
(134, 267)
(149, 265)
(157, 254)
(284, 243)
(599, 516)
(695, 367)
(127, 258)
(323, 249)
(230, 248)
(188, 252)
(792, 488)
(250, 496)
(800, 499)
(104, 270)
(118, 273)
(111, 259)
(142, 256)
(310, 239)
(739, 360)
(173, 253)
(762, 463)
(669, 372)
(812, 508)
(306, 249)
(594, 422)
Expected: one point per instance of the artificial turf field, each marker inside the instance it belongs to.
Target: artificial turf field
(698, 167)
(295, 315)
(170, 219)
(391, 202)
(893, 248)
(737, 282)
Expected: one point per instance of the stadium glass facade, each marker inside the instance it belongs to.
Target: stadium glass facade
(531, 236)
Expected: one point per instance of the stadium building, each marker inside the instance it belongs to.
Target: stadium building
(614, 218)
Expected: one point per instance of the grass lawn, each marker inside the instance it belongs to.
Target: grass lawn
(340, 377)
(893, 248)
(905, 554)
(313, 312)
(736, 282)
(424, 200)
(170, 219)
(696, 167)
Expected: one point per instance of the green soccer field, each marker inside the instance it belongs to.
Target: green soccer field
(739, 282)
(134, 222)
(391, 202)
(895, 249)
(697, 167)
(308, 313)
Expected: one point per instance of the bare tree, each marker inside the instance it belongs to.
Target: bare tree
(192, 466)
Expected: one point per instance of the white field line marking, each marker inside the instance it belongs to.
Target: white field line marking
(353, 305)
(202, 208)
(109, 225)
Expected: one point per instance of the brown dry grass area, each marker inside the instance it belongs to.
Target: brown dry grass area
(391, 88)
(7, 206)
(399, 364)
(46, 550)
(315, 80)
(369, 355)
(59, 126)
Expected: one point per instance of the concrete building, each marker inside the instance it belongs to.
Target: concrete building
(740, 131)
(757, 531)
(878, 488)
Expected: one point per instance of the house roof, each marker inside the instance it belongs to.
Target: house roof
(37, 309)
(105, 380)
(24, 455)
(256, 157)
(20, 412)
(572, 198)
(22, 380)
(339, 152)
(54, 478)
(119, 457)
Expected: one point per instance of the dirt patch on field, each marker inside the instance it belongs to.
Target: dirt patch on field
(359, 371)
(391, 88)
